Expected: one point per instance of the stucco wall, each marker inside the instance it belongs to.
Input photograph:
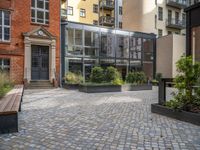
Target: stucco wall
(164, 56)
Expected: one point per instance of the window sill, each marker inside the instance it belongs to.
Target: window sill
(5, 42)
(39, 24)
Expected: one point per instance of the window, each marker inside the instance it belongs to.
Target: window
(4, 25)
(95, 22)
(120, 10)
(155, 19)
(95, 8)
(177, 17)
(4, 64)
(184, 18)
(155, 2)
(40, 11)
(82, 13)
(160, 13)
(160, 33)
(120, 25)
(169, 32)
(70, 10)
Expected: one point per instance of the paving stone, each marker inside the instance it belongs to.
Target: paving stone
(65, 119)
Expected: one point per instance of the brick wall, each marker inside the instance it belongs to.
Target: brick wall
(20, 23)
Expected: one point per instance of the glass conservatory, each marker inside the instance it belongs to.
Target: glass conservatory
(85, 46)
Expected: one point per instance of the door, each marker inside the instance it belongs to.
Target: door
(40, 62)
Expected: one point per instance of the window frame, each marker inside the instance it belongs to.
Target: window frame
(3, 26)
(160, 13)
(72, 10)
(81, 12)
(120, 10)
(43, 10)
(4, 67)
(95, 7)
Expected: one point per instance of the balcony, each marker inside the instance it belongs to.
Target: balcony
(107, 21)
(107, 4)
(175, 23)
(64, 13)
(180, 4)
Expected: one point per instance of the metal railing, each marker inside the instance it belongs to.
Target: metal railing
(107, 3)
(183, 3)
(106, 20)
(176, 22)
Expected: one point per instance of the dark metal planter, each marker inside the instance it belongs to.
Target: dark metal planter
(113, 88)
(99, 88)
(130, 87)
(190, 117)
(71, 86)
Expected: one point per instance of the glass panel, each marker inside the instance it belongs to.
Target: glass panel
(40, 4)
(123, 47)
(75, 65)
(1, 17)
(40, 16)
(88, 38)
(1, 33)
(6, 34)
(78, 37)
(47, 5)
(32, 3)
(6, 18)
(107, 45)
(90, 51)
(35, 61)
(33, 13)
(70, 39)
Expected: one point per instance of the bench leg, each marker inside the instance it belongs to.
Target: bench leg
(9, 123)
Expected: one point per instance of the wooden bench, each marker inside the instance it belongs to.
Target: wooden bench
(10, 105)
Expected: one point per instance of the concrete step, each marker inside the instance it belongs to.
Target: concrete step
(40, 85)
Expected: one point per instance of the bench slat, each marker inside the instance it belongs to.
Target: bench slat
(11, 102)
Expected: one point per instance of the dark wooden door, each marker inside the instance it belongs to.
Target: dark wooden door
(40, 63)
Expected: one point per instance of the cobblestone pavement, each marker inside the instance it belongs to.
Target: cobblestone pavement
(62, 119)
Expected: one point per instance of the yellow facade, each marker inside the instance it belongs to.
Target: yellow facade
(88, 6)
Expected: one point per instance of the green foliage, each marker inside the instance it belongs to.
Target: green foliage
(136, 78)
(158, 76)
(73, 78)
(188, 76)
(117, 81)
(97, 75)
(5, 83)
(111, 74)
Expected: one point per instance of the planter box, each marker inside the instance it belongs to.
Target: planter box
(71, 86)
(129, 87)
(112, 88)
(99, 88)
(190, 117)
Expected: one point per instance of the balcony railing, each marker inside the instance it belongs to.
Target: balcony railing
(107, 4)
(64, 13)
(181, 4)
(175, 23)
(106, 21)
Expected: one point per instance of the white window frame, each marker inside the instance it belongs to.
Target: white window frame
(3, 26)
(70, 11)
(44, 10)
(2, 65)
(82, 13)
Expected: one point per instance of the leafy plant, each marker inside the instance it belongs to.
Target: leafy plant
(111, 74)
(97, 75)
(5, 83)
(117, 81)
(136, 78)
(73, 78)
(188, 76)
(158, 76)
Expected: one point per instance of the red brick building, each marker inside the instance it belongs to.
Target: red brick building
(30, 39)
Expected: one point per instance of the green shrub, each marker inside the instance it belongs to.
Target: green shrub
(189, 73)
(97, 75)
(136, 78)
(117, 81)
(73, 78)
(158, 76)
(111, 74)
(5, 83)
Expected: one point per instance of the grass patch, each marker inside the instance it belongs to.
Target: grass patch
(5, 83)
(4, 90)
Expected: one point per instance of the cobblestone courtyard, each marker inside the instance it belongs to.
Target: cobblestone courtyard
(61, 119)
